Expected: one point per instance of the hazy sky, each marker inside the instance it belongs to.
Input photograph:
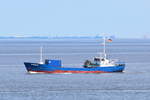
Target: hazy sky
(124, 18)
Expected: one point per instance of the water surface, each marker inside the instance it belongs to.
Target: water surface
(16, 84)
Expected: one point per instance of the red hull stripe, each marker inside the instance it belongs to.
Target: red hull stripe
(59, 71)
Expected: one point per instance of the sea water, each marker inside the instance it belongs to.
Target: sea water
(17, 84)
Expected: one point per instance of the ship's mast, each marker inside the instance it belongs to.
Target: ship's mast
(41, 55)
(104, 47)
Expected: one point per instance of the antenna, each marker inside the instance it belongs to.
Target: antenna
(41, 55)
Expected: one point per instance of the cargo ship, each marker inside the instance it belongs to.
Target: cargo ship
(101, 64)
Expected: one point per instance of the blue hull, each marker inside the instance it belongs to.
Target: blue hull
(44, 68)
